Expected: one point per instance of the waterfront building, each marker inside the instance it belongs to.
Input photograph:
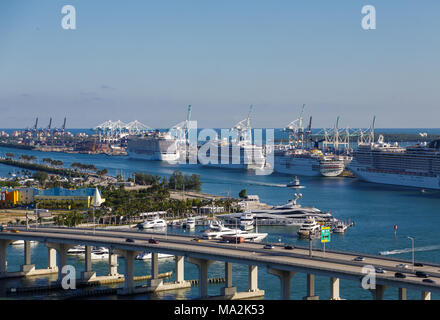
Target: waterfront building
(29, 195)
(10, 196)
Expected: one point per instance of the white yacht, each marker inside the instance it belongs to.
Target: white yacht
(21, 242)
(340, 227)
(290, 213)
(244, 236)
(76, 250)
(153, 224)
(247, 221)
(147, 256)
(98, 253)
(309, 227)
(218, 232)
(190, 223)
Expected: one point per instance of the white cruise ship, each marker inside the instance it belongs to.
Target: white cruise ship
(232, 155)
(415, 166)
(303, 162)
(234, 152)
(159, 146)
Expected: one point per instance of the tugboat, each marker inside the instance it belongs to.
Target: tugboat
(294, 183)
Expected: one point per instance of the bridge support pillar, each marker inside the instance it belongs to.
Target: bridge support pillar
(253, 278)
(129, 256)
(334, 289)
(402, 293)
(311, 288)
(284, 277)
(426, 295)
(62, 249)
(155, 281)
(112, 264)
(27, 267)
(3, 261)
(88, 273)
(179, 269)
(52, 259)
(202, 265)
(378, 292)
(228, 289)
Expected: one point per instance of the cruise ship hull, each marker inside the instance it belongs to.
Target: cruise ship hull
(154, 156)
(153, 148)
(402, 179)
(308, 167)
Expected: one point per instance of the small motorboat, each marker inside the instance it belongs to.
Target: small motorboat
(340, 227)
(294, 183)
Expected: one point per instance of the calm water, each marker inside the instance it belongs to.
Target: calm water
(374, 208)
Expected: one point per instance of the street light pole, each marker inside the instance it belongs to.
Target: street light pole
(412, 243)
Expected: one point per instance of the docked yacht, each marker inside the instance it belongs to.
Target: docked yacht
(309, 228)
(247, 221)
(98, 253)
(147, 256)
(76, 250)
(340, 227)
(244, 236)
(291, 213)
(20, 242)
(190, 223)
(153, 224)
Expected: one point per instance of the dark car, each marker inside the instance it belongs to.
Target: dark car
(428, 280)
(153, 241)
(288, 247)
(379, 270)
(421, 274)
(418, 264)
(268, 246)
(399, 275)
(129, 240)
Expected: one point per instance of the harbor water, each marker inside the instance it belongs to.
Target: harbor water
(374, 208)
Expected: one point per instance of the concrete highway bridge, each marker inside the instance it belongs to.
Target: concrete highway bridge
(278, 261)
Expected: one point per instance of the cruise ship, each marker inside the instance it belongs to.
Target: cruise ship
(235, 152)
(231, 155)
(414, 166)
(159, 146)
(301, 158)
(303, 162)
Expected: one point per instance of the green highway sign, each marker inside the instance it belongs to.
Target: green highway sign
(325, 234)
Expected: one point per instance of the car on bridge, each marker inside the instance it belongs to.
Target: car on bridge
(399, 275)
(379, 270)
(197, 240)
(421, 274)
(418, 264)
(14, 231)
(428, 280)
(3, 229)
(289, 247)
(129, 240)
(402, 266)
(153, 241)
(359, 259)
(268, 246)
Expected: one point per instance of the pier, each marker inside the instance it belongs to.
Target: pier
(281, 263)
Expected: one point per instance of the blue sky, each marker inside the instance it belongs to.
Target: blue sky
(148, 60)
